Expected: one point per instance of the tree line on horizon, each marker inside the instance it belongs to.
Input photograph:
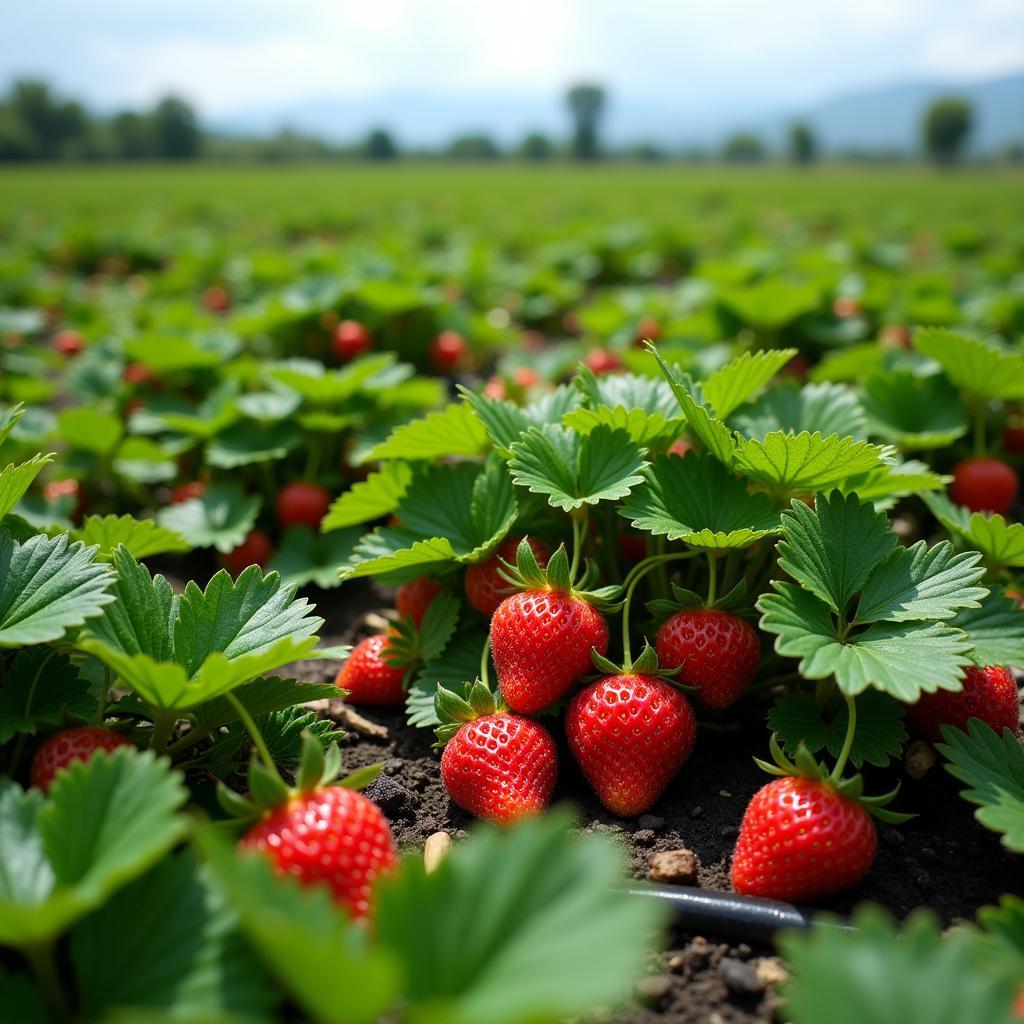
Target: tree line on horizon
(38, 124)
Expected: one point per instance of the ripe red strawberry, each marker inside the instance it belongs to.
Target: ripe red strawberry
(647, 330)
(137, 373)
(69, 343)
(302, 504)
(601, 361)
(495, 388)
(984, 485)
(414, 598)
(187, 491)
(801, 840)
(368, 677)
(448, 351)
(485, 589)
(256, 549)
(63, 748)
(988, 693)
(716, 651)
(328, 835)
(496, 765)
(541, 642)
(217, 299)
(350, 339)
(630, 734)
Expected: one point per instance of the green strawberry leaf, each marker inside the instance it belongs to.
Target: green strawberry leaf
(992, 766)
(38, 688)
(220, 518)
(305, 557)
(168, 939)
(107, 820)
(15, 480)
(455, 669)
(574, 470)
(1004, 928)
(268, 406)
(248, 444)
(262, 696)
(884, 484)
(1000, 543)
(922, 583)
(324, 961)
(875, 973)
(506, 421)
(826, 408)
(89, 429)
(716, 437)
(331, 388)
(644, 407)
(557, 918)
(734, 384)
(878, 738)
(913, 411)
(974, 366)
(792, 464)
(21, 999)
(450, 513)
(454, 431)
(900, 658)
(144, 461)
(178, 652)
(833, 548)
(996, 629)
(771, 305)
(48, 586)
(283, 731)
(165, 353)
(9, 419)
(142, 537)
(695, 499)
(376, 496)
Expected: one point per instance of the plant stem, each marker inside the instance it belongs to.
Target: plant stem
(636, 574)
(190, 739)
(313, 458)
(101, 710)
(485, 664)
(979, 428)
(253, 731)
(851, 729)
(40, 959)
(578, 525)
(19, 746)
(163, 726)
(712, 579)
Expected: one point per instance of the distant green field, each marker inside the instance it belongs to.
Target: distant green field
(506, 194)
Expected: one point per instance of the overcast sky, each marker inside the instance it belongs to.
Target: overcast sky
(233, 55)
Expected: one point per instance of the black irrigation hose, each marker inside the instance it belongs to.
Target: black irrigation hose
(727, 914)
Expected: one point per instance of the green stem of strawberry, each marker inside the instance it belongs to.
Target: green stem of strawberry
(712, 579)
(313, 458)
(851, 729)
(163, 726)
(485, 664)
(101, 707)
(579, 523)
(19, 745)
(40, 959)
(980, 446)
(186, 742)
(253, 730)
(636, 574)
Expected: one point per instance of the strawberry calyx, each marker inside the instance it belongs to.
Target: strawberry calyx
(646, 665)
(454, 711)
(686, 601)
(527, 574)
(267, 790)
(804, 766)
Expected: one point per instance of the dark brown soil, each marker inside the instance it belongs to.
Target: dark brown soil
(942, 858)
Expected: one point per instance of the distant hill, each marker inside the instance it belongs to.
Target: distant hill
(885, 118)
